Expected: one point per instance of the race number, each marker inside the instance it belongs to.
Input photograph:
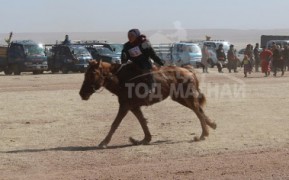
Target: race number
(135, 52)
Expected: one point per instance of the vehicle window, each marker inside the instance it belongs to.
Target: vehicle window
(180, 48)
(16, 50)
(117, 47)
(34, 50)
(226, 47)
(193, 49)
(79, 50)
(104, 51)
(210, 45)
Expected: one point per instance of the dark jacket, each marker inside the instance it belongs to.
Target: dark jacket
(231, 55)
(256, 54)
(140, 54)
(276, 55)
(221, 56)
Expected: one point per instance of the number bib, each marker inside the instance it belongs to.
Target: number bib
(135, 52)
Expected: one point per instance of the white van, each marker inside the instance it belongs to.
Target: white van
(179, 54)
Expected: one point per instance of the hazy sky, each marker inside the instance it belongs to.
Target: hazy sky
(121, 15)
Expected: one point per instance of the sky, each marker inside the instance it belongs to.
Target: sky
(24, 16)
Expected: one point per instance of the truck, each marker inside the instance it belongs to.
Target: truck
(266, 38)
(67, 57)
(22, 56)
(179, 54)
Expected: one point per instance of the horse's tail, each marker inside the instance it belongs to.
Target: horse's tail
(202, 97)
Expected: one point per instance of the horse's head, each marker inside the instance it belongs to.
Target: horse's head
(93, 79)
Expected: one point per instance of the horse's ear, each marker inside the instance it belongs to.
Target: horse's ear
(92, 62)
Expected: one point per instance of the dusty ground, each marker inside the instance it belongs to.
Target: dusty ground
(48, 132)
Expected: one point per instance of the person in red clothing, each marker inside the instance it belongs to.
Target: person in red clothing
(265, 57)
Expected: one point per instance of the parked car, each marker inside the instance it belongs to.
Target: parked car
(99, 52)
(67, 58)
(23, 56)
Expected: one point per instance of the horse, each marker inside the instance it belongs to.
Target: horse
(125, 81)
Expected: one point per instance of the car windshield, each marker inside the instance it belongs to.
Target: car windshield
(226, 47)
(117, 47)
(79, 50)
(104, 51)
(193, 49)
(32, 49)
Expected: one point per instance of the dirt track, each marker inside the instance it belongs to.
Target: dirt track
(48, 132)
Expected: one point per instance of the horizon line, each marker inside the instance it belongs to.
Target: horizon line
(232, 29)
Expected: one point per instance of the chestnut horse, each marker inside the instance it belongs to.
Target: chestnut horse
(181, 84)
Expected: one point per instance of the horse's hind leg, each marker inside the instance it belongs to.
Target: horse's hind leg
(209, 122)
(123, 110)
(193, 104)
(143, 122)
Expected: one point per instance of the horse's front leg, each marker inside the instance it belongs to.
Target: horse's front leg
(143, 122)
(122, 112)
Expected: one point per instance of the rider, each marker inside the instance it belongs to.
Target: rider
(139, 50)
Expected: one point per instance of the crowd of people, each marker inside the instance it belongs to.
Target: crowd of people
(269, 59)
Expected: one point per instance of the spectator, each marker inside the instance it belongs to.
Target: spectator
(221, 56)
(232, 59)
(257, 57)
(265, 57)
(285, 55)
(277, 61)
(249, 52)
(205, 57)
(247, 65)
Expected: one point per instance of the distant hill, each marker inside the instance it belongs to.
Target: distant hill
(238, 37)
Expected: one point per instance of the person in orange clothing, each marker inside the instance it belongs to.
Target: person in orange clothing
(266, 56)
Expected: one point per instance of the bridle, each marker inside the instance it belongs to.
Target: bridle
(103, 78)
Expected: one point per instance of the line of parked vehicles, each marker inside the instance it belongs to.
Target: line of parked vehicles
(29, 56)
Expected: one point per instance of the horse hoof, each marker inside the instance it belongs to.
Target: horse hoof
(133, 141)
(214, 126)
(196, 138)
(102, 146)
(145, 143)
